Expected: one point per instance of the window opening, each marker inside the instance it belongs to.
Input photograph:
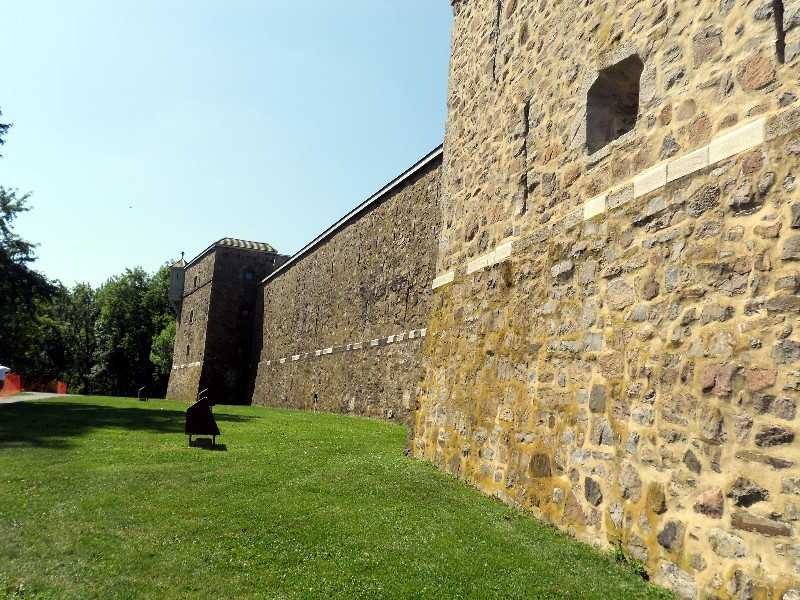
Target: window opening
(612, 104)
(187, 350)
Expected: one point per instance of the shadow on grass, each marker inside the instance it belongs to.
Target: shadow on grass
(51, 424)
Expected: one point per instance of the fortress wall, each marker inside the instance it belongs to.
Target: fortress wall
(187, 367)
(613, 343)
(230, 333)
(346, 319)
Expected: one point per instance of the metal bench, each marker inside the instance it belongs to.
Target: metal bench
(200, 420)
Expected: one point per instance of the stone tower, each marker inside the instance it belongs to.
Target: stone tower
(613, 344)
(216, 317)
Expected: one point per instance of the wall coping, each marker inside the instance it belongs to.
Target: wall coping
(368, 204)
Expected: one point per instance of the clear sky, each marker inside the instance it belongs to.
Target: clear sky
(149, 127)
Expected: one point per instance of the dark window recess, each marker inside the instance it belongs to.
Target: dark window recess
(612, 104)
(187, 349)
(191, 316)
(195, 281)
(780, 34)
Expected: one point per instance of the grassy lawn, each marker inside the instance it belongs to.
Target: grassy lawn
(102, 498)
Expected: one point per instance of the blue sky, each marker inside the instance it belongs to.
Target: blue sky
(145, 128)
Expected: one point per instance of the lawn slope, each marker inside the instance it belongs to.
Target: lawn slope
(102, 498)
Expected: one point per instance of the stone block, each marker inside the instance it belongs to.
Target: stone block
(686, 165)
(746, 492)
(746, 522)
(782, 123)
(786, 352)
(597, 399)
(650, 180)
(595, 206)
(791, 15)
(620, 295)
(573, 218)
(592, 492)
(619, 197)
(790, 485)
(740, 139)
(683, 584)
(774, 435)
(757, 378)
(766, 459)
(443, 280)
(726, 545)
(710, 503)
(756, 71)
(630, 482)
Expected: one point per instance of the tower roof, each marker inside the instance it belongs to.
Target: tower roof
(229, 242)
(235, 243)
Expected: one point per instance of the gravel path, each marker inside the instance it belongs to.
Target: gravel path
(26, 396)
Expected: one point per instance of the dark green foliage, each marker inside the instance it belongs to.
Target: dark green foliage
(24, 294)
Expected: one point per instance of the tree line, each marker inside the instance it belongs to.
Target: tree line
(109, 340)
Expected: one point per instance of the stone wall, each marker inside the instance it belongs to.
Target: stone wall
(612, 343)
(346, 318)
(190, 333)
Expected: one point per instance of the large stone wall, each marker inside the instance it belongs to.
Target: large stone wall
(346, 319)
(613, 339)
(190, 332)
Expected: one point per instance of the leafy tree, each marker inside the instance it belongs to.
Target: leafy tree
(133, 311)
(161, 351)
(81, 313)
(24, 293)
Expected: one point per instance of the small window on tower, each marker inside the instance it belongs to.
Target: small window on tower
(187, 350)
(249, 276)
(195, 281)
(244, 313)
(191, 316)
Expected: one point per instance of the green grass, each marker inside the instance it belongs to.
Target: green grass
(103, 498)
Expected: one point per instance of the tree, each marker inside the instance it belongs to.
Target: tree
(81, 313)
(133, 312)
(23, 291)
(3, 130)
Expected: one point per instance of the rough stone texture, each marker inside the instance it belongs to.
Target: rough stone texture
(726, 545)
(679, 581)
(215, 325)
(368, 280)
(769, 527)
(774, 435)
(671, 537)
(746, 492)
(710, 503)
(681, 279)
